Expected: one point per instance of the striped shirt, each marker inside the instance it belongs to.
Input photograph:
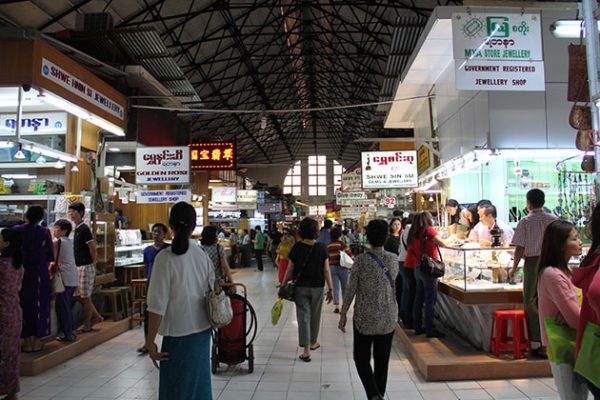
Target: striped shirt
(530, 231)
(334, 248)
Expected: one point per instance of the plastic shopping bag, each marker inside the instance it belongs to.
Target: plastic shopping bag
(588, 359)
(276, 311)
(561, 342)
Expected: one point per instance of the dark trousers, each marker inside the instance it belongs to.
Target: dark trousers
(146, 317)
(374, 380)
(399, 290)
(426, 295)
(409, 288)
(259, 262)
(593, 389)
(64, 314)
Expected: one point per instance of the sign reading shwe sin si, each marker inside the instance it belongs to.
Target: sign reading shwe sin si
(215, 155)
(160, 165)
(389, 169)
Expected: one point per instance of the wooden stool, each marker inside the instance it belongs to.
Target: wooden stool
(519, 343)
(131, 272)
(113, 296)
(138, 298)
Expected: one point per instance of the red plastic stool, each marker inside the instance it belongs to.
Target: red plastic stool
(519, 342)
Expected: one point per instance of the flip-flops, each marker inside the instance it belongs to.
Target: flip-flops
(316, 347)
(304, 358)
(85, 330)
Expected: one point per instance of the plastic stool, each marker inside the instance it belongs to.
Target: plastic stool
(519, 342)
(138, 298)
(115, 295)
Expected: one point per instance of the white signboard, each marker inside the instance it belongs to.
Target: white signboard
(389, 169)
(497, 36)
(224, 194)
(500, 75)
(269, 208)
(75, 85)
(355, 212)
(39, 123)
(247, 196)
(161, 165)
(340, 197)
(352, 180)
(163, 196)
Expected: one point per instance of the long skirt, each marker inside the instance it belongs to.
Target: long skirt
(186, 375)
(35, 301)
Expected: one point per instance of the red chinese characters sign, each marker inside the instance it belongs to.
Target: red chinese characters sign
(215, 155)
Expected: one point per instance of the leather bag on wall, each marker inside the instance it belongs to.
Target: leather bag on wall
(584, 140)
(578, 89)
(580, 117)
(588, 164)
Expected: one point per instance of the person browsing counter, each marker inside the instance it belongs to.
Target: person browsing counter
(482, 231)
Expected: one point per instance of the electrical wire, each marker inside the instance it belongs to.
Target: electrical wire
(261, 111)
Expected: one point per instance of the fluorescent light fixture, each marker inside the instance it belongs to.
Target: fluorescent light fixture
(64, 105)
(46, 151)
(114, 149)
(5, 144)
(74, 168)
(215, 181)
(104, 124)
(19, 155)
(126, 168)
(568, 29)
(19, 176)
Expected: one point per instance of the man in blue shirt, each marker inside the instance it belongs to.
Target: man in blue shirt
(159, 233)
(325, 234)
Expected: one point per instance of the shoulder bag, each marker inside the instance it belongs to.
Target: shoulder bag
(218, 307)
(385, 269)
(287, 291)
(58, 286)
(429, 266)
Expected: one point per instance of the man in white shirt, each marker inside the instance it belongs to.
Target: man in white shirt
(482, 231)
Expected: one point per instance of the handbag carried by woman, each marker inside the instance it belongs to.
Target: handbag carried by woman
(429, 266)
(287, 291)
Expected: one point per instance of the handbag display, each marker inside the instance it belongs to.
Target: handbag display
(287, 291)
(429, 266)
(218, 307)
(345, 260)
(588, 163)
(57, 285)
(578, 89)
(588, 359)
(584, 140)
(580, 117)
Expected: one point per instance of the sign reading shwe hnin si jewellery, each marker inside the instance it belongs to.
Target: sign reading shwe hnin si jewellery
(389, 169)
(161, 165)
(164, 196)
(498, 51)
(215, 155)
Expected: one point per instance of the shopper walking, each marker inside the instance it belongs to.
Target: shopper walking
(181, 278)
(216, 253)
(339, 274)
(84, 249)
(528, 242)
(35, 292)
(587, 278)
(259, 246)
(325, 232)
(159, 234)
(283, 253)
(309, 269)
(11, 320)
(375, 312)
(246, 246)
(422, 236)
(65, 265)
(556, 297)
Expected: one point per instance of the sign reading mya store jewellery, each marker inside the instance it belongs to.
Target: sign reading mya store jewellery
(162, 165)
(389, 169)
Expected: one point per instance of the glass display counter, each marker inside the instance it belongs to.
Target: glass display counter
(103, 227)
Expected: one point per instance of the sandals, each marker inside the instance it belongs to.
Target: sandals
(318, 346)
(85, 330)
(142, 350)
(304, 358)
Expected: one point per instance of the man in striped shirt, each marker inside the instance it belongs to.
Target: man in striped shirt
(528, 242)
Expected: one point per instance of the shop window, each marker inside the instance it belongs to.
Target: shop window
(317, 175)
(338, 170)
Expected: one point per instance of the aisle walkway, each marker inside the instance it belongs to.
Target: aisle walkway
(115, 371)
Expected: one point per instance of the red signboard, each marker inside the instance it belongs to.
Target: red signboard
(214, 155)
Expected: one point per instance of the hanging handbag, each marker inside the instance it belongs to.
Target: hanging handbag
(218, 307)
(588, 163)
(287, 291)
(57, 284)
(588, 359)
(580, 117)
(585, 140)
(429, 266)
(577, 89)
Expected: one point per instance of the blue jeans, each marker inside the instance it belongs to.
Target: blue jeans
(426, 295)
(62, 305)
(339, 276)
(409, 286)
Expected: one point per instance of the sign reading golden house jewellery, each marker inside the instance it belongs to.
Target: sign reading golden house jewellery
(214, 155)
(162, 165)
(389, 169)
(498, 51)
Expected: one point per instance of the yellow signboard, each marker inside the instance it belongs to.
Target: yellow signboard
(423, 159)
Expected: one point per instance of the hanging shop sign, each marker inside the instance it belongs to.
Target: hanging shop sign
(389, 202)
(423, 159)
(344, 197)
(389, 169)
(81, 88)
(163, 196)
(357, 212)
(224, 194)
(352, 180)
(39, 123)
(267, 208)
(498, 51)
(214, 155)
(161, 165)
(247, 196)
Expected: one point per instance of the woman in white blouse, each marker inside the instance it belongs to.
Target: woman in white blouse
(180, 281)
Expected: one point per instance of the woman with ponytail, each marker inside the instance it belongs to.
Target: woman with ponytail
(181, 277)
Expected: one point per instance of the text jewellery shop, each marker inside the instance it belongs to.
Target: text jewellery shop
(497, 133)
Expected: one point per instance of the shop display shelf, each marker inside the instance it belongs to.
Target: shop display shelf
(119, 249)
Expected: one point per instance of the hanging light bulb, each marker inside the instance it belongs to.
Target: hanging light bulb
(59, 164)
(430, 198)
(40, 160)
(19, 155)
(263, 121)
(74, 168)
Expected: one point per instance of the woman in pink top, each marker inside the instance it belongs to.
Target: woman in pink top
(556, 296)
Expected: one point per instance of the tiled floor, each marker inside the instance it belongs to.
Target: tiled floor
(115, 371)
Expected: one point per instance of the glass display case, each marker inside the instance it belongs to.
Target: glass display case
(103, 228)
(129, 248)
